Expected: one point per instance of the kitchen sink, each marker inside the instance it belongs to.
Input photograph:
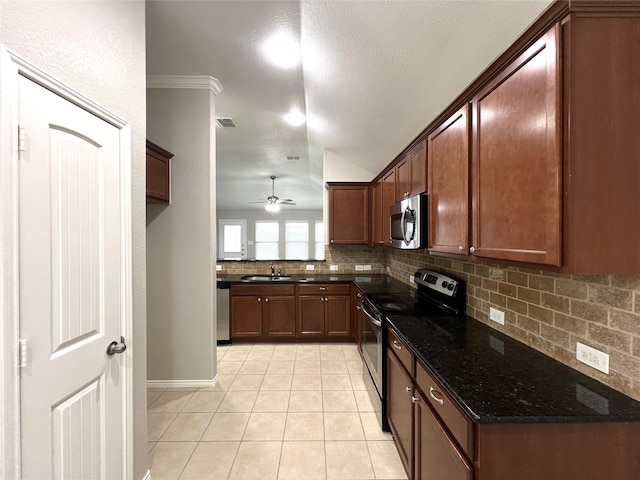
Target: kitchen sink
(265, 278)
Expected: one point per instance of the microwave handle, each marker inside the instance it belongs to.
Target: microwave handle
(404, 227)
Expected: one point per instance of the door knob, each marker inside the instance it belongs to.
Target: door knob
(116, 347)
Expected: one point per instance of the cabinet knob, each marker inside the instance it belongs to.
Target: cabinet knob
(323, 288)
(359, 295)
(472, 249)
(331, 241)
(259, 299)
(414, 399)
(408, 389)
(357, 307)
(396, 345)
(460, 248)
(266, 299)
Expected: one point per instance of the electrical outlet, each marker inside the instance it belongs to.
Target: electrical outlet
(366, 267)
(359, 268)
(592, 357)
(218, 268)
(496, 315)
(311, 267)
(412, 279)
(388, 269)
(333, 268)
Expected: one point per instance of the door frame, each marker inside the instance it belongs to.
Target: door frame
(11, 67)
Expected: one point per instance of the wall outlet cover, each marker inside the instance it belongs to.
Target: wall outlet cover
(366, 267)
(311, 267)
(388, 269)
(218, 268)
(412, 279)
(333, 268)
(496, 315)
(592, 357)
(359, 268)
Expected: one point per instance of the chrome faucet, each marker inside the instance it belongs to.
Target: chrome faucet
(273, 270)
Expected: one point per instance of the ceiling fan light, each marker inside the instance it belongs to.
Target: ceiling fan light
(295, 118)
(275, 208)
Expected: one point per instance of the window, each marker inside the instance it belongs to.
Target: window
(296, 237)
(232, 238)
(267, 238)
(319, 241)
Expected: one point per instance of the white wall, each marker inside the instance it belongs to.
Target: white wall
(251, 216)
(98, 47)
(180, 239)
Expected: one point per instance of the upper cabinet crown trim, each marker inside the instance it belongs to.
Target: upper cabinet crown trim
(185, 81)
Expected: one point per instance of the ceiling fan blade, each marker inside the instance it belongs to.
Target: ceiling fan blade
(287, 200)
(287, 203)
(259, 201)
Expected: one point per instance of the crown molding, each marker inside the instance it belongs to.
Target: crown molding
(184, 81)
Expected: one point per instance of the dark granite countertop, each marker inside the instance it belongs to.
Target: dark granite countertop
(378, 283)
(496, 379)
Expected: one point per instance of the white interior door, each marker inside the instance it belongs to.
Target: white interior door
(72, 300)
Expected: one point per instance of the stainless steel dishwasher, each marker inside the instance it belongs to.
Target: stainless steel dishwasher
(222, 306)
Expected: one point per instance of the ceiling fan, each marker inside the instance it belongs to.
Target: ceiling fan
(273, 202)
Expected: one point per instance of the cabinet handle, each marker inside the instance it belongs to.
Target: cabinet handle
(259, 299)
(460, 248)
(396, 345)
(408, 389)
(323, 288)
(439, 400)
(472, 249)
(357, 307)
(359, 295)
(414, 399)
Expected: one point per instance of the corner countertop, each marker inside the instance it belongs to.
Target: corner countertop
(497, 379)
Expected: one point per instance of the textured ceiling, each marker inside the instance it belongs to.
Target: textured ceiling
(373, 75)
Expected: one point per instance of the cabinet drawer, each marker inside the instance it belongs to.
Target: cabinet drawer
(458, 424)
(402, 351)
(262, 290)
(324, 289)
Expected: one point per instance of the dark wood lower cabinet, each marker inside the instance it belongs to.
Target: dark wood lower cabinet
(310, 316)
(436, 455)
(400, 409)
(338, 315)
(279, 316)
(246, 316)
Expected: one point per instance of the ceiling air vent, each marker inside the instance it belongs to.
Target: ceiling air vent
(225, 122)
(294, 158)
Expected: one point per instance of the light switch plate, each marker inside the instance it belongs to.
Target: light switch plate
(218, 268)
(496, 315)
(592, 357)
(359, 268)
(333, 268)
(366, 267)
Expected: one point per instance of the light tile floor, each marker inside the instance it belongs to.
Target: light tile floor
(282, 411)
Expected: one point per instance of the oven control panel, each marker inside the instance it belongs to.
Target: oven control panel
(437, 282)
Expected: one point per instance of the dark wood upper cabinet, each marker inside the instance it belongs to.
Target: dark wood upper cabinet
(158, 174)
(449, 185)
(348, 213)
(411, 172)
(388, 199)
(517, 163)
(377, 236)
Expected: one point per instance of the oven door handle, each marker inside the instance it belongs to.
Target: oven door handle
(374, 320)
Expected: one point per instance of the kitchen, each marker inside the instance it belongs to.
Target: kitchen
(544, 307)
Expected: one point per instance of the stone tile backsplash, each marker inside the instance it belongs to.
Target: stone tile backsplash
(549, 311)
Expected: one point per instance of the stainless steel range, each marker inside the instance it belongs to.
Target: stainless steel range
(437, 295)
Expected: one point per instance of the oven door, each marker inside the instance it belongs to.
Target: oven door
(372, 346)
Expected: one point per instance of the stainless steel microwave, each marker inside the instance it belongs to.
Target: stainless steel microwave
(409, 223)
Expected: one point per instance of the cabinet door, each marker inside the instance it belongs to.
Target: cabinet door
(418, 161)
(517, 160)
(338, 318)
(436, 456)
(349, 214)
(377, 214)
(403, 178)
(449, 185)
(400, 409)
(246, 316)
(310, 316)
(279, 316)
(388, 199)
(158, 173)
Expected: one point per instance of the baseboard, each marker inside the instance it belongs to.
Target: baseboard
(181, 383)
